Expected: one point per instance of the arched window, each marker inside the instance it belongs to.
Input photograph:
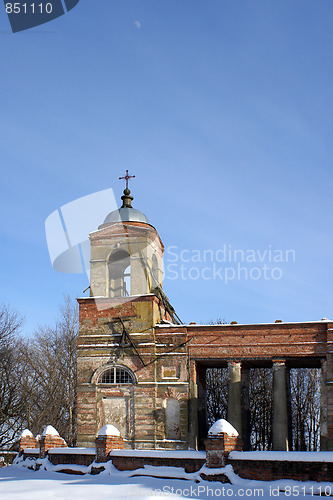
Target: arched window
(119, 274)
(116, 375)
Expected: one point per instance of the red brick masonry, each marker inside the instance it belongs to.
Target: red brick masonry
(28, 442)
(50, 441)
(300, 466)
(191, 461)
(104, 444)
(218, 448)
(264, 470)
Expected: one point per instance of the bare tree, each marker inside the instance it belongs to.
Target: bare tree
(216, 394)
(216, 388)
(10, 325)
(305, 408)
(11, 367)
(51, 375)
(261, 408)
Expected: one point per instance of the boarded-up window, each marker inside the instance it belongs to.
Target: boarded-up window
(172, 419)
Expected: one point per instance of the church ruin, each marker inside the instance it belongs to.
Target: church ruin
(143, 371)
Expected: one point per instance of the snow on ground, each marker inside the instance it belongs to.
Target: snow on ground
(17, 482)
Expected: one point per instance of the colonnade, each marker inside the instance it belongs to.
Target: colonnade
(239, 406)
(280, 407)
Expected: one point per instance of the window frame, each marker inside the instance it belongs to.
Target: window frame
(122, 371)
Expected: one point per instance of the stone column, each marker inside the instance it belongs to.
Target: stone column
(329, 386)
(280, 416)
(245, 409)
(289, 409)
(193, 415)
(201, 405)
(323, 406)
(234, 397)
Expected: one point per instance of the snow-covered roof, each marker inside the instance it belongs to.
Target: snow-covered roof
(108, 430)
(50, 431)
(220, 426)
(26, 433)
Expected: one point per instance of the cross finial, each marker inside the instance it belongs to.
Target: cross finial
(127, 177)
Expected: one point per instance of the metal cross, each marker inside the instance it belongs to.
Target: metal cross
(126, 178)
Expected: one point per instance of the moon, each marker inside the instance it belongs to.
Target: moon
(137, 24)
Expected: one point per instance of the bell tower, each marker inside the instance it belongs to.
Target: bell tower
(126, 253)
(117, 351)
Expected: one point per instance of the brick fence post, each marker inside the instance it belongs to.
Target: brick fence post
(27, 440)
(108, 438)
(50, 439)
(222, 438)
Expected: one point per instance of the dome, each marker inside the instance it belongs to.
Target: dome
(126, 214)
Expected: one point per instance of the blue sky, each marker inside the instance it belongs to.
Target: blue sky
(222, 110)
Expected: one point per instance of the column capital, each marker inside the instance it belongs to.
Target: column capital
(279, 362)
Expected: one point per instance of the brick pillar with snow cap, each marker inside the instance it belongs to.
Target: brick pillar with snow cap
(222, 438)
(27, 440)
(108, 438)
(50, 439)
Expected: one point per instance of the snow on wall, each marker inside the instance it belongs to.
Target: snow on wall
(220, 426)
(26, 433)
(159, 453)
(108, 430)
(283, 456)
(72, 451)
(50, 431)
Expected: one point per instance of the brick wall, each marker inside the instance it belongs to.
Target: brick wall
(218, 448)
(167, 349)
(132, 463)
(271, 470)
(50, 441)
(105, 444)
(264, 470)
(71, 458)
(299, 344)
(27, 442)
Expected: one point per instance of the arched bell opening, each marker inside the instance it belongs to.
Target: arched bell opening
(119, 267)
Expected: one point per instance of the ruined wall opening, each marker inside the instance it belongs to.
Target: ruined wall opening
(216, 394)
(256, 403)
(258, 408)
(303, 394)
(305, 409)
(119, 274)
